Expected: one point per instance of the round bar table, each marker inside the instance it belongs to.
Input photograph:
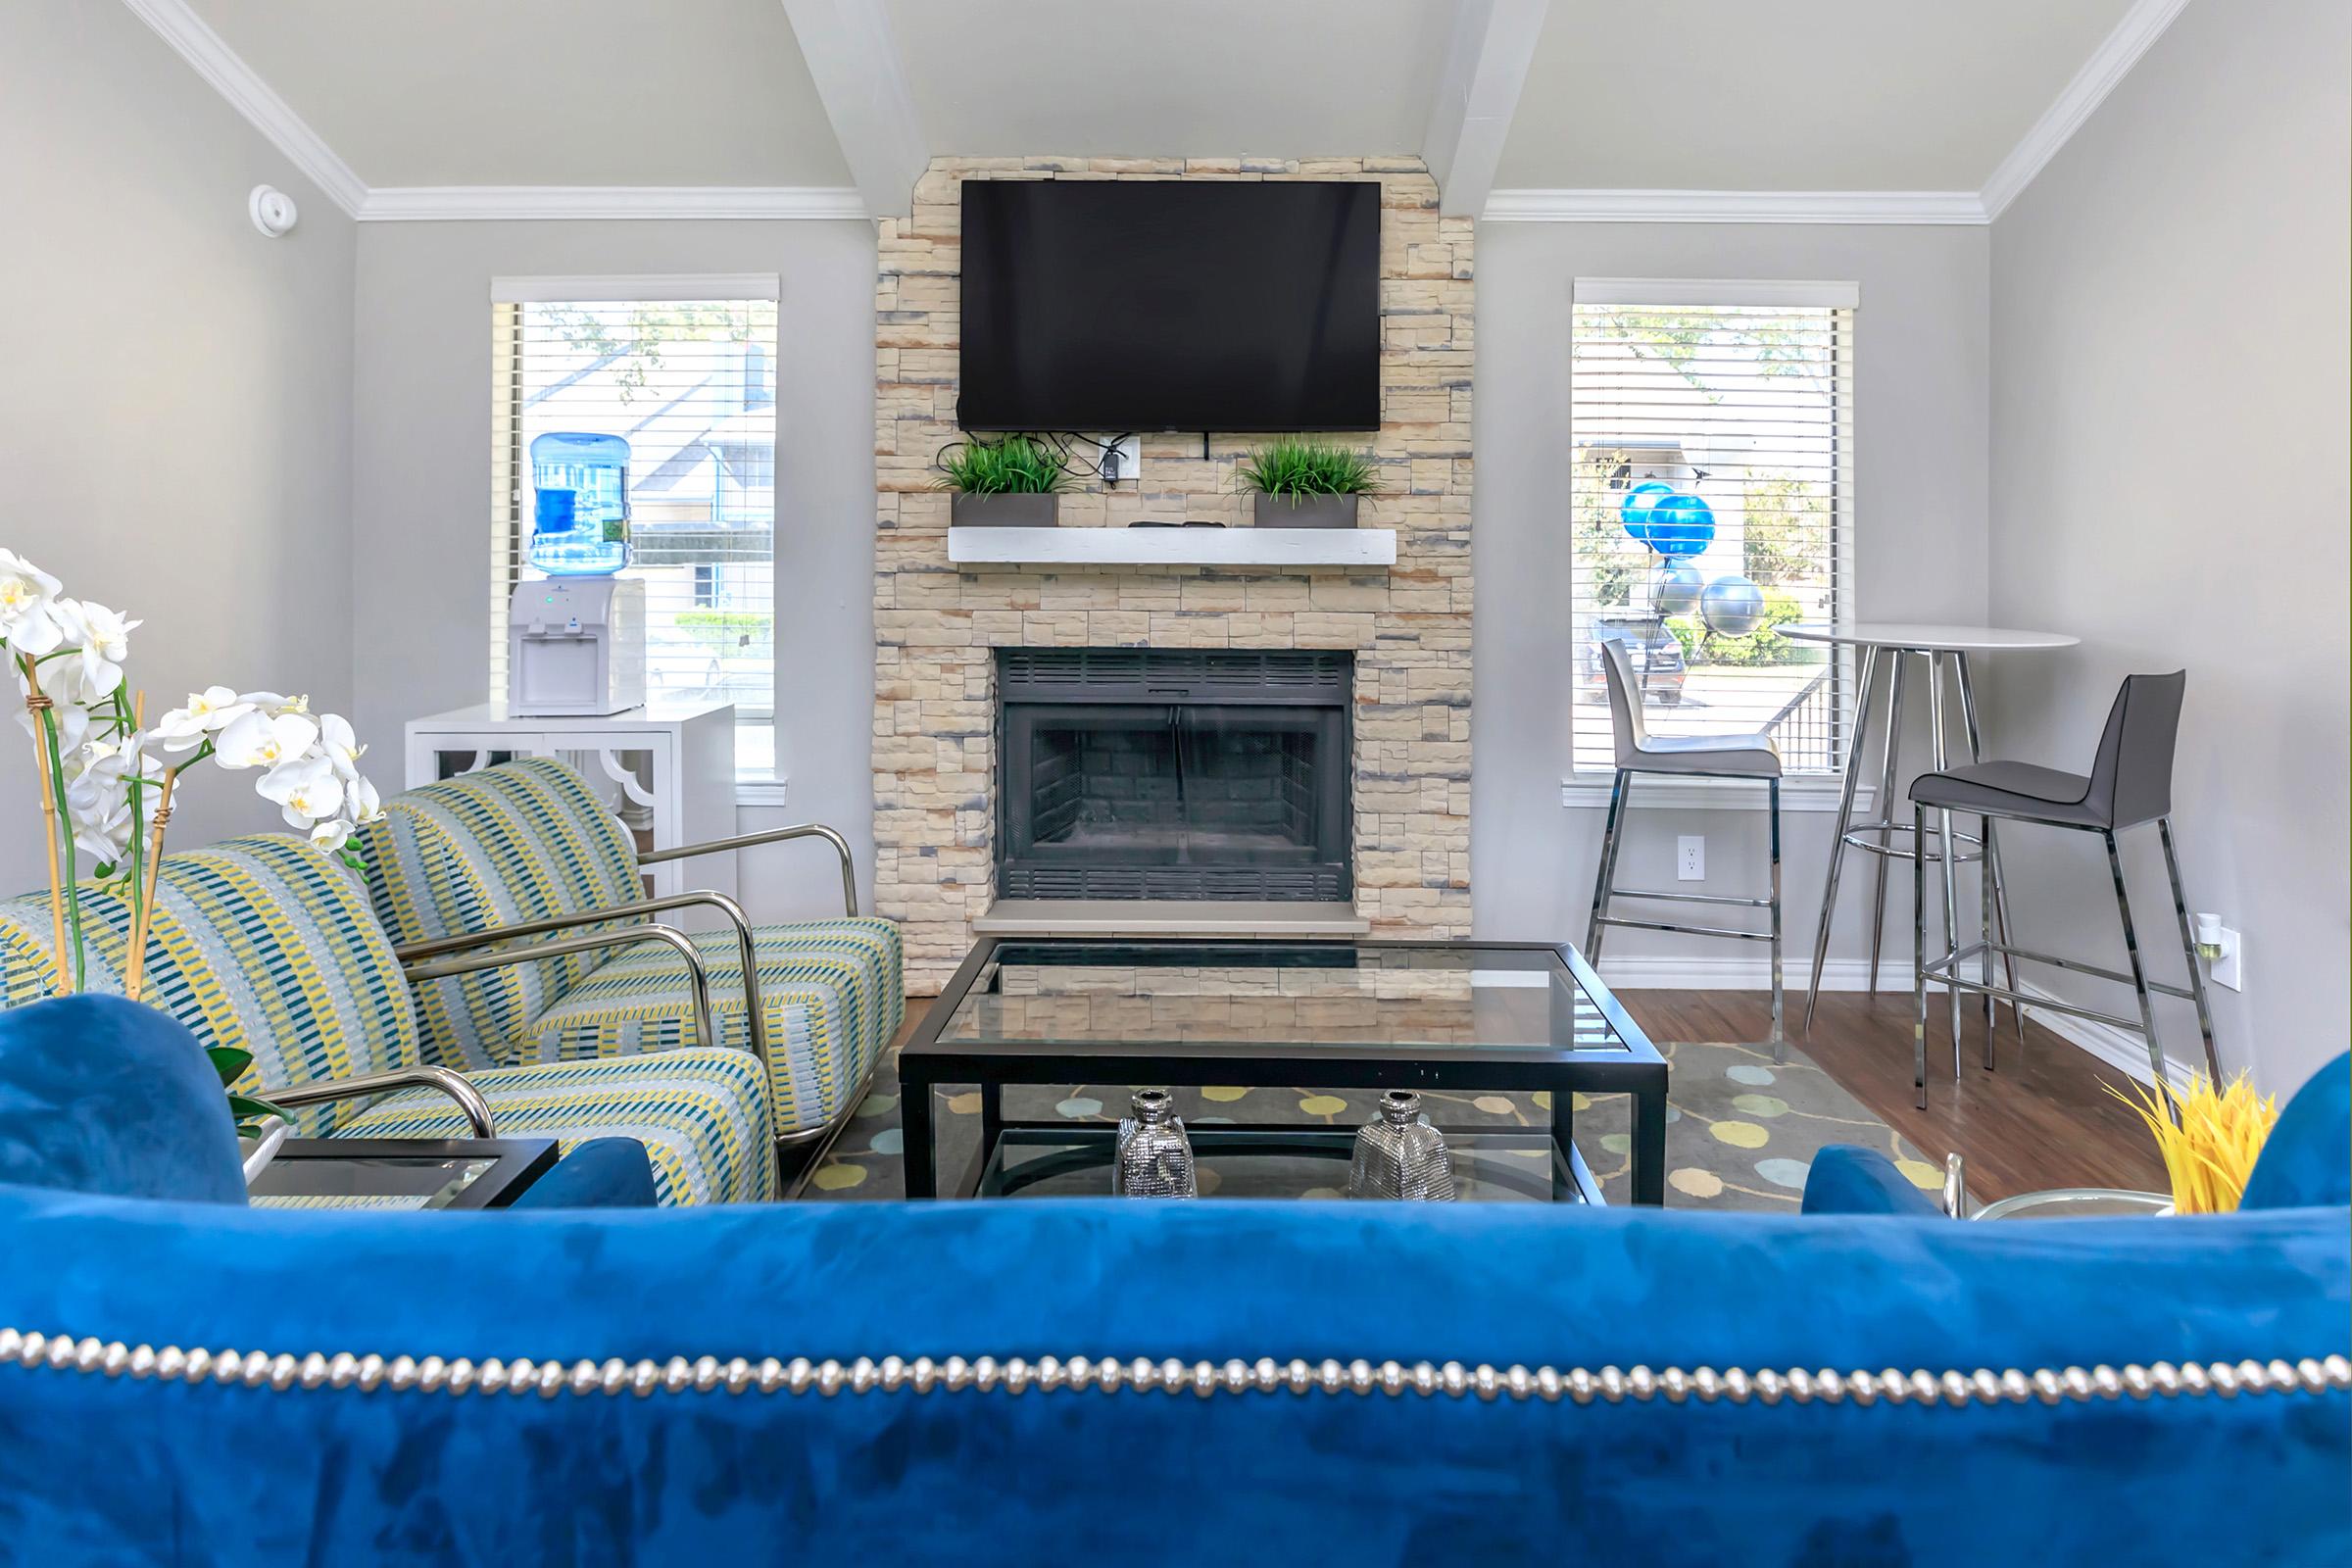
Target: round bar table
(1884, 644)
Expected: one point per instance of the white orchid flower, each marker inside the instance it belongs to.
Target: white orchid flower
(98, 794)
(101, 827)
(265, 740)
(27, 596)
(331, 835)
(363, 803)
(72, 726)
(100, 640)
(306, 787)
(275, 703)
(209, 711)
(342, 747)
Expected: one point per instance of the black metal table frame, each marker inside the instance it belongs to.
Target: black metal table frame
(924, 1064)
(515, 1162)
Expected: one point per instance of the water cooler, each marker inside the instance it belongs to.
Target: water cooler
(575, 639)
(575, 645)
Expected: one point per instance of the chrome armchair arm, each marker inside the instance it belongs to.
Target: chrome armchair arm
(630, 936)
(591, 942)
(745, 840)
(470, 1103)
(756, 1015)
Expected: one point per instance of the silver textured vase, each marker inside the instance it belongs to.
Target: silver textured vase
(1401, 1155)
(1155, 1157)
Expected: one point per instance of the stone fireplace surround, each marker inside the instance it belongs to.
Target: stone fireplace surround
(938, 626)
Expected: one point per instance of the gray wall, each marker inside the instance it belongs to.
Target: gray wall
(176, 411)
(422, 488)
(1921, 380)
(2169, 461)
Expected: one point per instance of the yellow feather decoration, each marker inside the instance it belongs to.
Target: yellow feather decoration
(2210, 1151)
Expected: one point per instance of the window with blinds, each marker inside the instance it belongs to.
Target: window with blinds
(1712, 495)
(684, 371)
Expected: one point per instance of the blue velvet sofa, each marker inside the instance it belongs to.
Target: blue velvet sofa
(195, 1382)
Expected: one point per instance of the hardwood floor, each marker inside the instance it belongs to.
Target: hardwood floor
(2043, 1118)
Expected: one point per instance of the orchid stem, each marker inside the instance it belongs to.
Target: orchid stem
(53, 786)
(142, 919)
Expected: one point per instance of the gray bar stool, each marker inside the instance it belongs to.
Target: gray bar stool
(1688, 757)
(2131, 783)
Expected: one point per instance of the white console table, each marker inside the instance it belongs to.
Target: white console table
(674, 761)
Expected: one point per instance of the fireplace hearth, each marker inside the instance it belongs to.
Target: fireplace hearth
(1143, 773)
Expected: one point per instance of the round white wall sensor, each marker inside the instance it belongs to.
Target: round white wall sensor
(271, 210)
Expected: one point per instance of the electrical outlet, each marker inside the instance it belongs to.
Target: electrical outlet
(1691, 857)
(1123, 459)
(2228, 970)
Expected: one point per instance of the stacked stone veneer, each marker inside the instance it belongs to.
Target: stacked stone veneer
(935, 625)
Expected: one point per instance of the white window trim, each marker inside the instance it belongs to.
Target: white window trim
(629, 286)
(1718, 291)
(1804, 792)
(762, 790)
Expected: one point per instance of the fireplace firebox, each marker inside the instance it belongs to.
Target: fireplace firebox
(1149, 774)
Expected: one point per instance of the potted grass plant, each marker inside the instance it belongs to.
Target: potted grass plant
(1307, 484)
(1009, 482)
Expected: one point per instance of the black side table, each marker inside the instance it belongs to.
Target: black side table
(404, 1172)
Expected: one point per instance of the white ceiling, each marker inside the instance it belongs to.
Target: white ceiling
(544, 92)
(1721, 95)
(1793, 95)
(1173, 78)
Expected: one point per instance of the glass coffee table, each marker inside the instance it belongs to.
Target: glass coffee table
(1188, 1012)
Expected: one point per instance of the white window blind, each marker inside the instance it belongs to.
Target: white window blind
(1716, 419)
(684, 370)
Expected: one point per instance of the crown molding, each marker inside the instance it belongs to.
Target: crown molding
(2107, 66)
(1736, 207)
(219, 65)
(492, 203)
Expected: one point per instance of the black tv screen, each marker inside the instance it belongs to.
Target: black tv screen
(1170, 305)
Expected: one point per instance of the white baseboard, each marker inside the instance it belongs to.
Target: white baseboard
(1753, 972)
(2124, 1051)
(1643, 972)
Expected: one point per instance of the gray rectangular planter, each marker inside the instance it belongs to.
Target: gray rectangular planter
(1029, 510)
(1306, 511)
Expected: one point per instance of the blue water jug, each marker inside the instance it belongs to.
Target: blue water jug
(580, 504)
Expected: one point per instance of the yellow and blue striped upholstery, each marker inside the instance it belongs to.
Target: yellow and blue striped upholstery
(521, 841)
(268, 945)
(514, 843)
(833, 991)
(698, 1113)
(264, 944)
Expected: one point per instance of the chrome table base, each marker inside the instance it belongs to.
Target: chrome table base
(1887, 838)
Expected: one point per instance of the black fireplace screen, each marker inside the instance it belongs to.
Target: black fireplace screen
(1135, 773)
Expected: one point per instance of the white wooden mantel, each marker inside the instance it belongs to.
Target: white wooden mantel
(1275, 549)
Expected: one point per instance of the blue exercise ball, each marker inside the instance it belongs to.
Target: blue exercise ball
(1681, 526)
(1674, 590)
(1731, 606)
(1634, 509)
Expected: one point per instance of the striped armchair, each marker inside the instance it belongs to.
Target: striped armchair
(267, 945)
(526, 848)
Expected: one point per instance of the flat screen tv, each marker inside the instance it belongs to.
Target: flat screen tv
(1124, 305)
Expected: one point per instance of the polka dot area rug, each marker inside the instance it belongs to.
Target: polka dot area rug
(1740, 1134)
